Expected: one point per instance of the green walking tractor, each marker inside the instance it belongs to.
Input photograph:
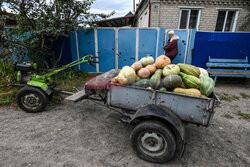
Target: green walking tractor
(36, 89)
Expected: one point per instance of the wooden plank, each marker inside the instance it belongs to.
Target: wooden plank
(76, 97)
(239, 65)
(229, 75)
(228, 71)
(214, 60)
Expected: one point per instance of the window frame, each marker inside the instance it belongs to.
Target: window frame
(189, 8)
(225, 19)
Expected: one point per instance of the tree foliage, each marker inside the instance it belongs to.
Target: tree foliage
(42, 22)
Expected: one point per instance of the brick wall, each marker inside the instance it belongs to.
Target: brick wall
(166, 15)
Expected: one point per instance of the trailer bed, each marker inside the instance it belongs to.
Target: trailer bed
(197, 110)
(191, 109)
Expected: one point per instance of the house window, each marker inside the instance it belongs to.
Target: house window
(189, 18)
(226, 20)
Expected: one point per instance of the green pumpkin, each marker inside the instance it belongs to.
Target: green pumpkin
(190, 80)
(171, 69)
(189, 69)
(207, 85)
(142, 83)
(172, 81)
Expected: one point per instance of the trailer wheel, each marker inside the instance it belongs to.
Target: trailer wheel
(153, 141)
(31, 99)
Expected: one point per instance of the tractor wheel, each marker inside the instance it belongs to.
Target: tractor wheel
(31, 99)
(153, 141)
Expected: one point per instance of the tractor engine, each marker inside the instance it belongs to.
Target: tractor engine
(24, 71)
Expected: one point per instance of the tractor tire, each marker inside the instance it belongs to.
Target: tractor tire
(31, 99)
(153, 141)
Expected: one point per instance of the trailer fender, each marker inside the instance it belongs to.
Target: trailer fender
(165, 115)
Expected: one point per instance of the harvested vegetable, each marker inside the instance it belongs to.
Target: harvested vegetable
(162, 61)
(171, 69)
(155, 80)
(203, 72)
(207, 85)
(172, 81)
(137, 66)
(190, 91)
(143, 73)
(126, 76)
(147, 60)
(151, 68)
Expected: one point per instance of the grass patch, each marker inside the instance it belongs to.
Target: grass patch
(228, 116)
(244, 96)
(234, 97)
(68, 79)
(224, 97)
(227, 97)
(243, 115)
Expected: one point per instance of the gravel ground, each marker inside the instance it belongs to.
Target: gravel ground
(86, 134)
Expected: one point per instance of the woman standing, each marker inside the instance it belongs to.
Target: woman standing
(171, 48)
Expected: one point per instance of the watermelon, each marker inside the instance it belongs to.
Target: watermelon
(190, 80)
(189, 69)
(207, 85)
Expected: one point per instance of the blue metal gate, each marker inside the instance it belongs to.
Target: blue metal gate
(220, 45)
(117, 47)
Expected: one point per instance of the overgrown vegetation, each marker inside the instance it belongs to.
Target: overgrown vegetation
(7, 94)
(69, 79)
(40, 24)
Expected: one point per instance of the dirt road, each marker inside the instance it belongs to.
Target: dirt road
(85, 134)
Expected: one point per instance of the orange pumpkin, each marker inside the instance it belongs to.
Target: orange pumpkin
(137, 66)
(161, 56)
(151, 68)
(162, 61)
(143, 73)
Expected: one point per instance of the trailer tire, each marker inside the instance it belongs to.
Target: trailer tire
(153, 141)
(31, 99)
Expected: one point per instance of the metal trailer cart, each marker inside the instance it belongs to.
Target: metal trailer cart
(158, 117)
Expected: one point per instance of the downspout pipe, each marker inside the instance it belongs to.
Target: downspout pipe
(149, 12)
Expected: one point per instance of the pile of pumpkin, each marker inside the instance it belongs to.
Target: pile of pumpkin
(164, 76)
